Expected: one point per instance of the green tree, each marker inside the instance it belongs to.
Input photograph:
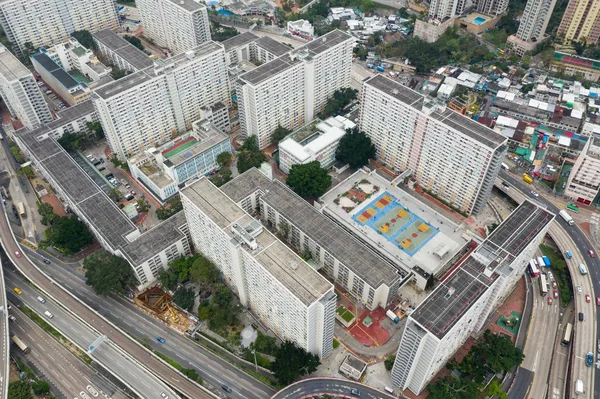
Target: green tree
(204, 311)
(47, 213)
(495, 390)
(389, 362)
(74, 141)
(85, 38)
(168, 279)
(143, 205)
(250, 156)
(203, 272)
(67, 234)
(118, 73)
(500, 353)
(251, 144)
(184, 298)
(40, 387)
(224, 158)
(279, 134)
(338, 100)
(114, 194)
(19, 390)
(355, 148)
(309, 180)
(96, 127)
(106, 273)
(26, 171)
(16, 152)
(135, 41)
(172, 206)
(292, 362)
(453, 388)
(221, 177)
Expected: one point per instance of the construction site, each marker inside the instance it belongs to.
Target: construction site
(160, 304)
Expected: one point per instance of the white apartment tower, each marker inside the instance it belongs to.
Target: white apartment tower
(584, 181)
(20, 92)
(179, 25)
(290, 90)
(443, 9)
(48, 22)
(460, 306)
(532, 27)
(436, 144)
(149, 107)
(282, 290)
(492, 7)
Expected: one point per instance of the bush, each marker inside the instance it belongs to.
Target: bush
(40, 387)
(389, 362)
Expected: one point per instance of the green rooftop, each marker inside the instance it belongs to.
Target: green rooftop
(172, 152)
(79, 51)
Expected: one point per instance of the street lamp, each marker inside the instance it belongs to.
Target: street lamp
(255, 364)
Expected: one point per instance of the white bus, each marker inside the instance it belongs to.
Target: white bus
(568, 333)
(534, 271)
(543, 285)
(505, 166)
(20, 344)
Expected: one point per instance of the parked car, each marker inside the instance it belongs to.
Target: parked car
(132, 192)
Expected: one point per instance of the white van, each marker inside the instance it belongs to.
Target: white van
(48, 314)
(582, 269)
(42, 300)
(389, 390)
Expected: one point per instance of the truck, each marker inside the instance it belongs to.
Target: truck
(21, 209)
(567, 218)
(527, 178)
(579, 387)
(380, 69)
(392, 316)
(546, 261)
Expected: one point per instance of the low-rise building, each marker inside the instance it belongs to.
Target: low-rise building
(65, 85)
(164, 169)
(353, 368)
(317, 141)
(301, 28)
(72, 56)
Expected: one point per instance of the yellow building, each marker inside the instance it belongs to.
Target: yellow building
(581, 21)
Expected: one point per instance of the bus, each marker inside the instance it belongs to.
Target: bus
(568, 333)
(20, 344)
(540, 262)
(572, 208)
(534, 271)
(543, 285)
(505, 166)
(21, 209)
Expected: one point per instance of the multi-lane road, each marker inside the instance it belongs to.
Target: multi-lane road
(4, 337)
(578, 243)
(329, 386)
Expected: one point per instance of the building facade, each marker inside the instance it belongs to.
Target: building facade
(47, 22)
(444, 9)
(290, 90)
(179, 25)
(20, 92)
(73, 56)
(459, 307)
(492, 7)
(581, 21)
(120, 53)
(532, 27)
(583, 184)
(152, 106)
(282, 290)
(436, 144)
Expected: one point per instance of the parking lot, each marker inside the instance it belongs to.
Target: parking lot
(51, 98)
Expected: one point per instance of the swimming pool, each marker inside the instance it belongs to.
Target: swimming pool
(212, 2)
(479, 20)
(223, 11)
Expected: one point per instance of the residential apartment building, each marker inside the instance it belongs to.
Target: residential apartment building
(317, 141)
(20, 92)
(460, 306)
(434, 142)
(290, 90)
(280, 288)
(179, 25)
(492, 7)
(63, 83)
(444, 9)
(532, 27)
(147, 253)
(120, 53)
(581, 21)
(163, 170)
(47, 22)
(583, 184)
(152, 106)
(364, 274)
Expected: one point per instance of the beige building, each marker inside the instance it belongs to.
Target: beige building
(581, 21)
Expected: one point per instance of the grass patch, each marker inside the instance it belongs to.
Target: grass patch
(497, 37)
(345, 314)
(61, 338)
(336, 343)
(561, 274)
(190, 373)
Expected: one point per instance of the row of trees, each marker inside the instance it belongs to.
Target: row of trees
(24, 390)
(172, 206)
(338, 100)
(105, 273)
(67, 234)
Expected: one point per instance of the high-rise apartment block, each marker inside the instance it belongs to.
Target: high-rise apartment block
(492, 7)
(149, 107)
(280, 288)
(443, 9)
(436, 144)
(179, 25)
(460, 306)
(581, 21)
(47, 22)
(20, 92)
(532, 28)
(583, 184)
(290, 90)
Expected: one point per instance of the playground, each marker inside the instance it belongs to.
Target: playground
(396, 223)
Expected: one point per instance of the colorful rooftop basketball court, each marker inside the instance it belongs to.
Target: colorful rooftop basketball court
(386, 215)
(179, 147)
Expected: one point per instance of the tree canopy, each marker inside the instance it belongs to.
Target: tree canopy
(279, 134)
(105, 273)
(338, 100)
(219, 311)
(220, 32)
(114, 194)
(47, 213)
(184, 298)
(84, 37)
(19, 390)
(309, 180)
(67, 234)
(292, 362)
(172, 206)
(135, 41)
(355, 148)
(203, 272)
(249, 155)
(224, 158)
(453, 388)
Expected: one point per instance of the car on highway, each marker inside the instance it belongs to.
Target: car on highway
(17, 290)
(555, 294)
(568, 254)
(46, 261)
(550, 276)
(598, 300)
(553, 283)
(549, 301)
(18, 254)
(589, 359)
(164, 395)
(588, 299)
(226, 388)
(579, 289)
(11, 317)
(160, 339)
(534, 194)
(355, 392)
(591, 253)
